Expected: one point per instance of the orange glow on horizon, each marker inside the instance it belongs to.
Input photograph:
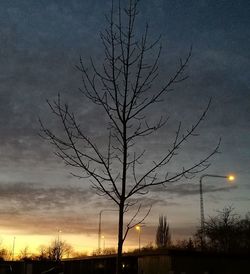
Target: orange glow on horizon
(80, 243)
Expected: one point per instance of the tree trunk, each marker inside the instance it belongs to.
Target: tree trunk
(120, 240)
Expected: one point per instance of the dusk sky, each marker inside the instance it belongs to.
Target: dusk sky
(41, 42)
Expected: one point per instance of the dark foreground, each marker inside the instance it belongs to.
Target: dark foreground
(157, 262)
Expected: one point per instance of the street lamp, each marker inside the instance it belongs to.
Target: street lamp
(13, 248)
(100, 226)
(103, 239)
(229, 178)
(58, 235)
(138, 228)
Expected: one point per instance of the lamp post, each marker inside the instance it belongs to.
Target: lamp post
(228, 177)
(13, 248)
(138, 228)
(58, 235)
(103, 246)
(58, 246)
(100, 226)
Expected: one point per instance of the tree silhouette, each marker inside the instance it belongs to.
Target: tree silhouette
(5, 254)
(125, 88)
(227, 232)
(55, 251)
(222, 230)
(163, 237)
(244, 227)
(24, 254)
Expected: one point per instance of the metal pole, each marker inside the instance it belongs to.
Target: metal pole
(13, 249)
(138, 228)
(103, 247)
(202, 213)
(139, 239)
(202, 205)
(100, 226)
(58, 236)
(99, 231)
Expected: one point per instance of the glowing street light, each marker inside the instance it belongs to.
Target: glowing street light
(230, 178)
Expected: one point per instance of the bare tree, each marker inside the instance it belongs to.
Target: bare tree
(58, 249)
(163, 237)
(42, 253)
(24, 254)
(5, 254)
(245, 233)
(227, 232)
(125, 89)
(55, 251)
(188, 244)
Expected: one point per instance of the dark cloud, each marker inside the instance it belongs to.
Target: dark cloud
(186, 189)
(27, 198)
(33, 209)
(46, 225)
(151, 200)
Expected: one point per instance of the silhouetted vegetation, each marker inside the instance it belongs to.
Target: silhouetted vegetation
(55, 251)
(227, 232)
(105, 251)
(186, 244)
(25, 255)
(5, 254)
(163, 237)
